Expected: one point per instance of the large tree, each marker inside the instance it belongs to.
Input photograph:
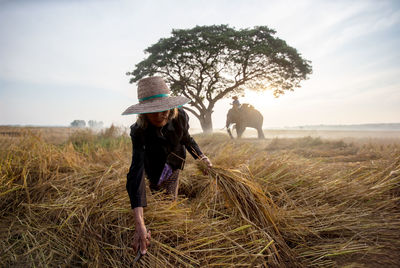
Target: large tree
(208, 63)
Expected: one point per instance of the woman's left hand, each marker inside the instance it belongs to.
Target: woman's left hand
(206, 160)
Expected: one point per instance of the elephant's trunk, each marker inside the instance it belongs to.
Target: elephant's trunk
(229, 132)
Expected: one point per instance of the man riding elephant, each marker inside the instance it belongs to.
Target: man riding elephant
(236, 103)
(244, 116)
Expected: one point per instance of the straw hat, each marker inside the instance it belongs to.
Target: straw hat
(153, 95)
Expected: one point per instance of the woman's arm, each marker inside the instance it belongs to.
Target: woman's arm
(187, 140)
(190, 144)
(141, 238)
(136, 188)
(135, 184)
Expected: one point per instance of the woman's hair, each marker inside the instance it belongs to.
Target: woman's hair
(143, 122)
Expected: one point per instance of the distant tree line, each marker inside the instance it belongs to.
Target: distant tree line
(91, 124)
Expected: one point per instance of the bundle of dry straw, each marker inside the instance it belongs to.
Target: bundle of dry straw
(250, 202)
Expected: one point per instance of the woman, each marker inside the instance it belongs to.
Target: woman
(160, 139)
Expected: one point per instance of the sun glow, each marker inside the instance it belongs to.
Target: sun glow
(259, 100)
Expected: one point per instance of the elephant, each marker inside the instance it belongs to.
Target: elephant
(244, 116)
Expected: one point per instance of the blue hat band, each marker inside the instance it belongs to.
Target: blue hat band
(154, 97)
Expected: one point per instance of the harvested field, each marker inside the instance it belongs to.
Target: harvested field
(281, 202)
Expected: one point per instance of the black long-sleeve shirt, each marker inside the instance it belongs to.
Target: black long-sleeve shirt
(152, 148)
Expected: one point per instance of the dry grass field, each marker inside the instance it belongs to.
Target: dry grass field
(286, 201)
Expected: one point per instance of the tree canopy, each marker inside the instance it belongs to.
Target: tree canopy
(208, 63)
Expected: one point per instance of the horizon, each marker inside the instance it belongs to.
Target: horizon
(215, 128)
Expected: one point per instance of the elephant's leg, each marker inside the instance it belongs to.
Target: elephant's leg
(239, 131)
(260, 133)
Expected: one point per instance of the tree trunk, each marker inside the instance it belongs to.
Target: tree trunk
(206, 122)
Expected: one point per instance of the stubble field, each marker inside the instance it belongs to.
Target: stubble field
(299, 200)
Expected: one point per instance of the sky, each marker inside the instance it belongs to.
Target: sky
(62, 60)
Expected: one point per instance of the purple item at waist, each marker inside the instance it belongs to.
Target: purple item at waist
(165, 174)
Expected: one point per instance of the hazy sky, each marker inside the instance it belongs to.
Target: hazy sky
(64, 60)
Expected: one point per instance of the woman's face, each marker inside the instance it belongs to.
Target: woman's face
(159, 119)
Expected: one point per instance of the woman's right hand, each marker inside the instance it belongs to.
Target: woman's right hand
(142, 237)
